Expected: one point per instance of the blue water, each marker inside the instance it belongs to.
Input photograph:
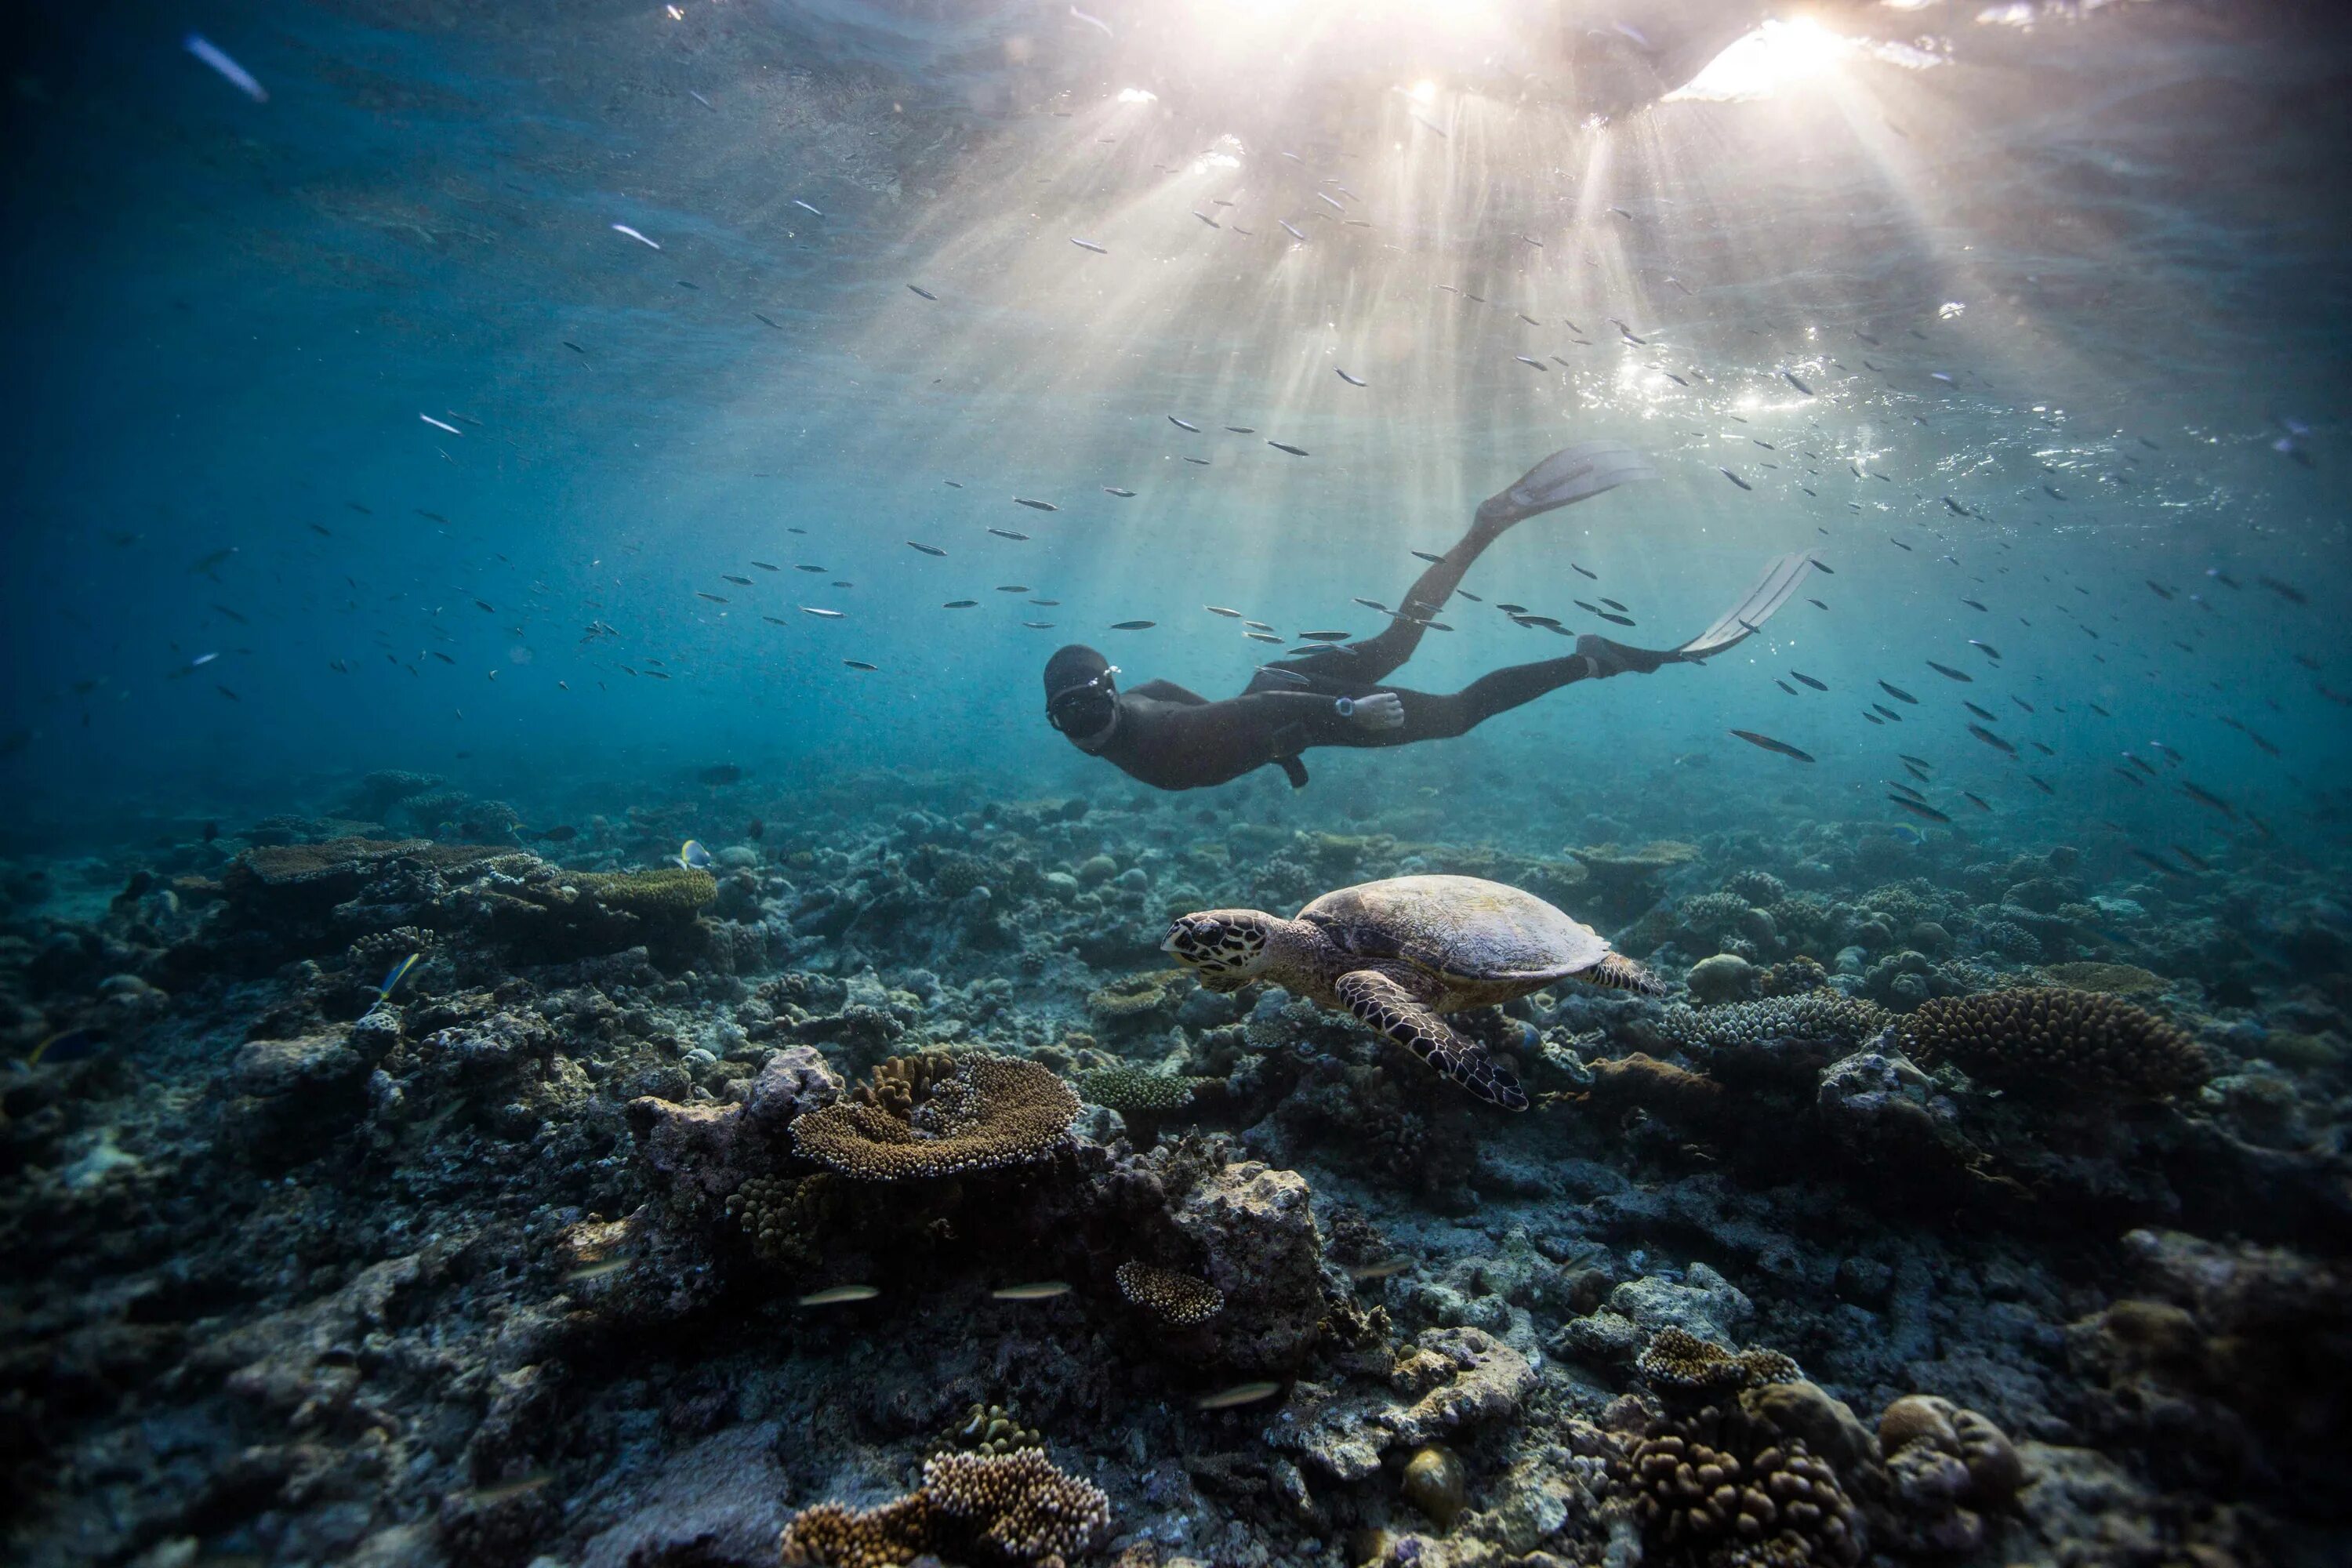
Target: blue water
(2115, 235)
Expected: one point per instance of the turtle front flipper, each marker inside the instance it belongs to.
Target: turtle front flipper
(1619, 973)
(1382, 1002)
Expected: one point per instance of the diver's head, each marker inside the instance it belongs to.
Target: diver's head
(1081, 698)
(1226, 948)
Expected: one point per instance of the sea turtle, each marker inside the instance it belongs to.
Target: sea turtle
(1397, 954)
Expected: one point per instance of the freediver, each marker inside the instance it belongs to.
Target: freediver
(1170, 738)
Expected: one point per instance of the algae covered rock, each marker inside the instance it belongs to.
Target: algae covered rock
(1726, 977)
(1253, 1229)
(1450, 1381)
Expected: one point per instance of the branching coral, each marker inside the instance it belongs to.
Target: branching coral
(1015, 1509)
(665, 892)
(902, 1083)
(990, 1111)
(1129, 1090)
(954, 873)
(1680, 1365)
(781, 1216)
(2057, 1041)
(1177, 1300)
(1816, 1015)
(1701, 1502)
(991, 1429)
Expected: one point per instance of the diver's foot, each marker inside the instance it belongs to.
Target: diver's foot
(1605, 659)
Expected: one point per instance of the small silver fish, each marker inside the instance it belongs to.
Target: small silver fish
(235, 75)
(805, 207)
(1007, 533)
(623, 228)
(1220, 610)
(1294, 233)
(1115, 490)
(1343, 376)
(1182, 425)
(491, 1496)
(1043, 1290)
(839, 1293)
(825, 614)
(1089, 245)
(1239, 1394)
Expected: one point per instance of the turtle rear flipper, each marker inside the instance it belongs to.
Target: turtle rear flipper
(1382, 1001)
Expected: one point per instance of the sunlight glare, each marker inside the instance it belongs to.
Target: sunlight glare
(1775, 55)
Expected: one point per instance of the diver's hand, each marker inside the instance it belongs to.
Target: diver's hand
(1381, 710)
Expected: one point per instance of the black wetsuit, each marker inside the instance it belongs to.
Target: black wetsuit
(1175, 739)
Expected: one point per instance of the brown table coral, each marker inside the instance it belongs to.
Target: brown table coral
(990, 1111)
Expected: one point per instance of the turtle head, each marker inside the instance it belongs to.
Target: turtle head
(1226, 948)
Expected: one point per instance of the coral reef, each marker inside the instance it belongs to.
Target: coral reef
(1013, 1510)
(1133, 1091)
(1701, 1503)
(2057, 1042)
(1177, 1300)
(988, 1112)
(542, 1255)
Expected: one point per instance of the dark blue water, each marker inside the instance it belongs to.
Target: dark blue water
(2099, 257)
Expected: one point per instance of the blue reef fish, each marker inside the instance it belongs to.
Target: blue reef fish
(399, 972)
(66, 1045)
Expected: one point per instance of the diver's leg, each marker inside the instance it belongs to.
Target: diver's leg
(1442, 716)
(1569, 475)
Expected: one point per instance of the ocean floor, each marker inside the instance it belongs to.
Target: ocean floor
(1961, 1206)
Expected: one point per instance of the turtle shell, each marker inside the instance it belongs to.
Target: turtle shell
(1458, 927)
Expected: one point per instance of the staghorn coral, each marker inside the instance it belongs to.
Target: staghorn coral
(1129, 1090)
(1681, 1367)
(990, 1112)
(2056, 1040)
(1177, 1300)
(1700, 1500)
